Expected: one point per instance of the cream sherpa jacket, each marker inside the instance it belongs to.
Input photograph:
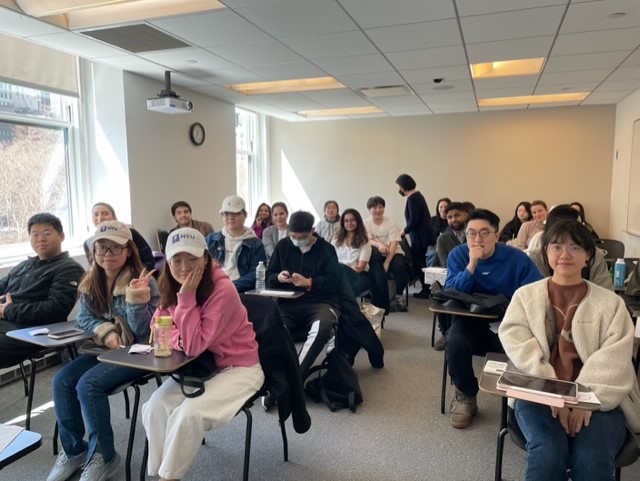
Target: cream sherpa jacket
(602, 332)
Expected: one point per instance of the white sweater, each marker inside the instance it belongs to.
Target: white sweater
(602, 332)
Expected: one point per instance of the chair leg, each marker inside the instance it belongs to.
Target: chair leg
(618, 474)
(32, 383)
(433, 330)
(247, 444)
(499, 451)
(55, 439)
(127, 411)
(285, 442)
(143, 463)
(24, 379)
(132, 431)
(443, 394)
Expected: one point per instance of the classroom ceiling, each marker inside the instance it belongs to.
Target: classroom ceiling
(590, 46)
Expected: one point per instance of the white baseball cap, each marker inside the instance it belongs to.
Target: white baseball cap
(233, 203)
(186, 240)
(113, 230)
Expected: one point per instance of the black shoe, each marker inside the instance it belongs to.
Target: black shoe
(423, 294)
(268, 402)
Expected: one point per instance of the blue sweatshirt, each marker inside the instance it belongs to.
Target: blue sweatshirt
(502, 273)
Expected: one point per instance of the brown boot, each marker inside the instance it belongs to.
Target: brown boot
(440, 344)
(463, 408)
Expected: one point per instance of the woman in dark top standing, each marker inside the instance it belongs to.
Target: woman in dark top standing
(511, 228)
(439, 221)
(418, 227)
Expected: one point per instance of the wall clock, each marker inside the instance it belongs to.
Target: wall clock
(196, 133)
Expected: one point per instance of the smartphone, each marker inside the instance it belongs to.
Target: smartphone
(538, 385)
(65, 334)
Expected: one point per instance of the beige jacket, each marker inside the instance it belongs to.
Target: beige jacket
(602, 332)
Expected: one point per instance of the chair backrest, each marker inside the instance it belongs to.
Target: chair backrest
(161, 238)
(406, 248)
(614, 249)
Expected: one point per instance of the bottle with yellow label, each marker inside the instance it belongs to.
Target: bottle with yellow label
(162, 336)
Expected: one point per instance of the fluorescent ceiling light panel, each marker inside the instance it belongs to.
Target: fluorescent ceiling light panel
(337, 112)
(282, 86)
(532, 99)
(507, 68)
(44, 8)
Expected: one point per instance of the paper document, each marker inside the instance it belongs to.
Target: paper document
(140, 349)
(588, 397)
(8, 433)
(43, 331)
(267, 292)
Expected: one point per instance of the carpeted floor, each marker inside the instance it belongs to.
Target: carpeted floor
(398, 432)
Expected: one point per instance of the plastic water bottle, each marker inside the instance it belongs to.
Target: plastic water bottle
(162, 336)
(261, 273)
(619, 273)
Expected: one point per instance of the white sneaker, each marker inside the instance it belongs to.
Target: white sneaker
(97, 470)
(65, 466)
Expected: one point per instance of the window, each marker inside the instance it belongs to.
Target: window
(36, 150)
(250, 159)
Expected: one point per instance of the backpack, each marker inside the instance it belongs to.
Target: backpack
(338, 387)
(477, 303)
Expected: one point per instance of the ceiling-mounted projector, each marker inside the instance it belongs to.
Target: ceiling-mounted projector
(167, 101)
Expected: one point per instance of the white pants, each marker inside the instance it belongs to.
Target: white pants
(176, 425)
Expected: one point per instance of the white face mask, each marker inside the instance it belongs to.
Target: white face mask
(299, 242)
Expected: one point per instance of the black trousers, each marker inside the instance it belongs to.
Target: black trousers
(468, 336)
(12, 351)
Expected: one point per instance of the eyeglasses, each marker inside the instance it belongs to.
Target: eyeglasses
(557, 249)
(231, 214)
(484, 233)
(114, 250)
(45, 235)
(189, 263)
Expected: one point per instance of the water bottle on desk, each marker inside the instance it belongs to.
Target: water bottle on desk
(162, 336)
(261, 272)
(619, 274)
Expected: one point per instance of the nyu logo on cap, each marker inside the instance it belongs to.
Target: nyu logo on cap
(113, 230)
(186, 240)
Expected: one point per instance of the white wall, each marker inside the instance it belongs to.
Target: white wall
(494, 159)
(627, 112)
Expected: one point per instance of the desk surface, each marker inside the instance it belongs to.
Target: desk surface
(147, 362)
(23, 444)
(276, 294)
(455, 311)
(488, 382)
(44, 340)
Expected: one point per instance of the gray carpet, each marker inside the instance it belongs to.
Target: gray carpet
(398, 432)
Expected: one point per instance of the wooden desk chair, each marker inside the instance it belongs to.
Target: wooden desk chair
(627, 455)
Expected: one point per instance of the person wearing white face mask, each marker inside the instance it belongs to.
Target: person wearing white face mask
(305, 262)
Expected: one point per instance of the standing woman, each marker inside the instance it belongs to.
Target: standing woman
(262, 219)
(567, 328)
(207, 315)
(353, 249)
(328, 226)
(418, 227)
(101, 212)
(279, 230)
(511, 228)
(117, 285)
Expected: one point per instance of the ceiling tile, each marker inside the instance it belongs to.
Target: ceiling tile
(187, 58)
(585, 61)
(504, 92)
(354, 64)
(423, 75)
(448, 97)
(378, 13)
(601, 41)
(566, 88)
(77, 44)
(584, 17)
(620, 85)
(356, 81)
(599, 98)
(256, 53)
(287, 70)
(20, 25)
(562, 78)
(525, 81)
(430, 57)
(335, 98)
(416, 36)
(625, 73)
(475, 7)
(462, 85)
(333, 45)
(532, 47)
(534, 22)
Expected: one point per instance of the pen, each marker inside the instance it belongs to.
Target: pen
(151, 336)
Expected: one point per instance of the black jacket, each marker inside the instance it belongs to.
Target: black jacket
(419, 227)
(43, 292)
(279, 360)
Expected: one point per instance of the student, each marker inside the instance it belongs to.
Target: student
(278, 231)
(384, 236)
(567, 328)
(580, 208)
(531, 228)
(328, 226)
(236, 248)
(181, 212)
(418, 227)
(439, 221)
(447, 241)
(596, 271)
(353, 250)
(117, 285)
(40, 290)
(306, 262)
(102, 212)
(207, 315)
(262, 220)
(482, 265)
(511, 228)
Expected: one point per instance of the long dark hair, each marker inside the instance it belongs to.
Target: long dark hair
(169, 287)
(527, 207)
(268, 221)
(360, 237)
(94, 282)
(574, 230)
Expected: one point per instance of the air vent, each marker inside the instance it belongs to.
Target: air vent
(385, 91)
(136, 38)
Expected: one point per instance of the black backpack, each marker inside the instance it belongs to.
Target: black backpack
(338, 387)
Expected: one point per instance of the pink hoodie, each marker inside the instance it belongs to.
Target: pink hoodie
(220, 325)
